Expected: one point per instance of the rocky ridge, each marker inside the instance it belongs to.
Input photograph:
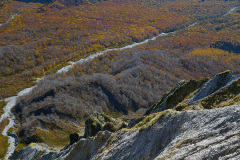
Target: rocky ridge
(201, 94)
(195, 120)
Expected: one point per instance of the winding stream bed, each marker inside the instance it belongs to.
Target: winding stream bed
(13, 141)
(12, 17)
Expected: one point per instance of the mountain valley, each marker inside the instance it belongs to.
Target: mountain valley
(115, 76)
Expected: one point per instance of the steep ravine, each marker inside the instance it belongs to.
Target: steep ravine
(11, 100)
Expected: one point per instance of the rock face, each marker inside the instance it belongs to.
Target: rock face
(199, 134)
(212, 86)
(92, 127)
(201, 94)
(133, 122)
(74, 137)
(110, 127)
(34, 151)
(195, 120)
(96, 123)
(177, 95)
(85, 148)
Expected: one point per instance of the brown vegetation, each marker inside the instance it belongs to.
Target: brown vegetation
(44, 37)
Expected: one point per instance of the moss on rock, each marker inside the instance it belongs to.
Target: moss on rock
(178, 94)
(95, 123)
(110, 126)
(152, 119)
(225, 94)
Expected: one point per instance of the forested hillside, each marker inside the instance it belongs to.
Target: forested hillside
(65, 2)
(36, 1)
(38, 39)
(42, 38)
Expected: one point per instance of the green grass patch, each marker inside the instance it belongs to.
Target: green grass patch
(57, 139)
(222, 95)
(233, 101)
(3, 139)
(2, 105)
(152, 119)
(53, 135)
(20, 146)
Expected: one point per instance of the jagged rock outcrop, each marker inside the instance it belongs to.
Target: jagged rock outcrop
(110, 127)
(123, 125)
(201, 94)
(74, 137)
(198, 134)
(34, 151)
(177, 95)
(85, 148)
(133, 122)
(189, 134)
(212, 86)
(96, 122)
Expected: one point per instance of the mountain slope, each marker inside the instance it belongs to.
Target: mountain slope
(164, 133)
(133, 81)
(121, 82)
(38, 39)
(190, 135)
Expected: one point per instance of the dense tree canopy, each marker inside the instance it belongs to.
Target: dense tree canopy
(46, 37)
(227, 46)
(36, 1)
